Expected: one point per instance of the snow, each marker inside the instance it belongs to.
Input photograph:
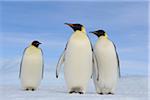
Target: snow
(129, 88)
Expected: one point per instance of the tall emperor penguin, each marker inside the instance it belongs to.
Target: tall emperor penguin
(31, 69)
(107, 70)
(77, 59)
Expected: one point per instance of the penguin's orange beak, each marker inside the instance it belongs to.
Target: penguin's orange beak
(71, 25)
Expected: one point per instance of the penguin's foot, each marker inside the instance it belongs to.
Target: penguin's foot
(101, 93)
(27, 89)
(33, 89)
(110, 93)
(80, 92)
(77, 90)
(72, 92)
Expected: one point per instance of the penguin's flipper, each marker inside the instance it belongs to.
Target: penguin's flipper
(95, 67)
(21, 63)
(119, 73)
(42, 64)
(59, 64)
(92, 54)
(60, 61)
(118, 65)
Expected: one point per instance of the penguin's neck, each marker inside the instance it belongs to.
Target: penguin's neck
(83, 30)
(33, 46)
(103, 37)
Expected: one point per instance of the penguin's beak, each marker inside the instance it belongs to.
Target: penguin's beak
(92, 32)
(71, 25)
(40, 43)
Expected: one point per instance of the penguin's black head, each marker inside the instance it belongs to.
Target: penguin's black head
(75, 27)
(99, 33)
(36, 43)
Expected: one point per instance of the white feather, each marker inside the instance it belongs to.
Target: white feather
(78, 61)
(31, 67)
(107, 66)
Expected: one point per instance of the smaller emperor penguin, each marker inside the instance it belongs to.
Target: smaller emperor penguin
(77, 60)
(32, 66)
(107, 70)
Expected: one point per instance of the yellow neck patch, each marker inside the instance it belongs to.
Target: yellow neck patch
(83, 30)
(106, 36)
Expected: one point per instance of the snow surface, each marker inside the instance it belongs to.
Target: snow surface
(129, 88)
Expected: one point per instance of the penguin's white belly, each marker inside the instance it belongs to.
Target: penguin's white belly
(108, 66)
(31, 72)
(78, 64)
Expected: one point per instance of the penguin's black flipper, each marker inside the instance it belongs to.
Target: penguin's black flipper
(92, 56)
(60, 62)
(21, 63)
(117, 61)
(95, 66)
(42, 64)
(118, 65)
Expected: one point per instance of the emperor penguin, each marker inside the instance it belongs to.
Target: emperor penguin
(107, 70)
(77, 60)
(32, 67)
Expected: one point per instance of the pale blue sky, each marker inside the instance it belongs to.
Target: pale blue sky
(125, 22)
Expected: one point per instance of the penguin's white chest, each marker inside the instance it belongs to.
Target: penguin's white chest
(31, 69)
(78, 61)
(107, 63)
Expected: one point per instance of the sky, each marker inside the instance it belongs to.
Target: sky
(126, 24)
